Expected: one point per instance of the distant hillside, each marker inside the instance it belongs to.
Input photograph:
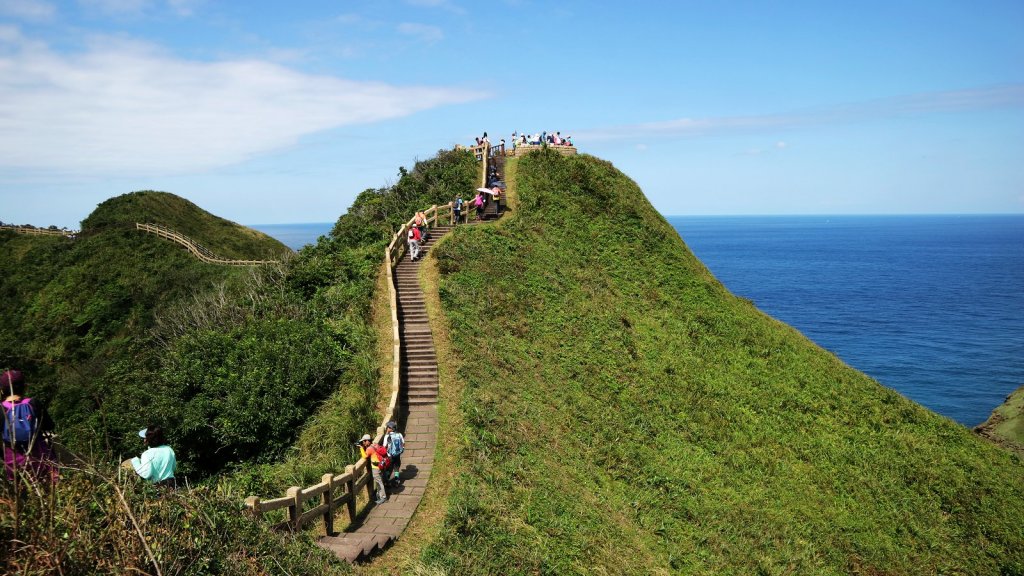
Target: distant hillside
(80, 314)
(625, 414)
(225, 238)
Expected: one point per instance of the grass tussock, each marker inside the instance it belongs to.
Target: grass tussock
(623, 413)
(101, 521)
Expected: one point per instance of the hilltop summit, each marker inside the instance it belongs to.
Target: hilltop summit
(226, 238)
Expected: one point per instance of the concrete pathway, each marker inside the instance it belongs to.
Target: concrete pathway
(384, 523)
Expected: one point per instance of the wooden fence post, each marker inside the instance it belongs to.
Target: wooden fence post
(253, 504)
(370, 488)
(328, 499)
(295, 508)
(350, 489)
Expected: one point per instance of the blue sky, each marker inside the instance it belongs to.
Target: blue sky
(272, 112)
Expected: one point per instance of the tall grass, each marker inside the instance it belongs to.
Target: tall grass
(625, 414)
(103, 521)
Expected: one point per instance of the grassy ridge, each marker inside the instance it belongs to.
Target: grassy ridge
(626, 414)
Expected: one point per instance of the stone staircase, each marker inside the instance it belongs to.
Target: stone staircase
(384, 523)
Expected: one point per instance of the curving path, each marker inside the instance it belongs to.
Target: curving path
(417, 419)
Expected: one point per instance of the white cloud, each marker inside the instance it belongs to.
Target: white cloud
(442, 4)
(132, 8)
(1008, 96)
(33, 10)
(184, 7)
(128, 108)
(117, 7)
(424, 32)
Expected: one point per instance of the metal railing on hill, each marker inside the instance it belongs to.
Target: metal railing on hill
(197, 249)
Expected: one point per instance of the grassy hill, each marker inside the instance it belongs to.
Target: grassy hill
(625, 414)
(224, 237)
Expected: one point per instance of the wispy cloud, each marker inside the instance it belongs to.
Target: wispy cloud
(1008, 96)
(129, 108)
(117, 7)
(442, 4)
(134, 8)
(31, 10)
(423, 32)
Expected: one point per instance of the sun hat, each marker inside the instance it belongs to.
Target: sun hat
(142, 433)
(11, 377)
(365, 438)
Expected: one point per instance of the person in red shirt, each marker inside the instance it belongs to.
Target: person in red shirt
(414, 243)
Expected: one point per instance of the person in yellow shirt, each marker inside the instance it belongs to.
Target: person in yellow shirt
(368, 450)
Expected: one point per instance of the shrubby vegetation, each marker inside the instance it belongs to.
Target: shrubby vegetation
(625, 414)
(260, 375)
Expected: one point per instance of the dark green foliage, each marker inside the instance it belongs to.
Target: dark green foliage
(378, 213)
(625, 414)
(229, 392)
(119, 329)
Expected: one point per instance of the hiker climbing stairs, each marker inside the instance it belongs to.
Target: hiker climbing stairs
(384, 523)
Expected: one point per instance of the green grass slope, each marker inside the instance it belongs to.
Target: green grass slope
(223, 237)
(625, 414)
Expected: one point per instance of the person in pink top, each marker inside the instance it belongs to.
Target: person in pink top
(26, 449)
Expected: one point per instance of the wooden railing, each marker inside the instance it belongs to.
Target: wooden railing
(335, 490)
(195, 248)
(523, 149)
(39, 231)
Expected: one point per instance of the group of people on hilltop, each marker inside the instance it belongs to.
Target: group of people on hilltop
(384, 459)
(539, 138)
(27, 439)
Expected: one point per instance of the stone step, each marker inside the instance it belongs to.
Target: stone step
(419, 360)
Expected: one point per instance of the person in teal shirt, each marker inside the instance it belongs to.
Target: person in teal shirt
(157, 463)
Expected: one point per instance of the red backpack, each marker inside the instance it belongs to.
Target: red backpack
(382, 454)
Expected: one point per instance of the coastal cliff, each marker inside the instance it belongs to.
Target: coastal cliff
(1005, 426)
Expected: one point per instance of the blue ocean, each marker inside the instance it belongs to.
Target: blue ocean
(295, 236)
(931, 306)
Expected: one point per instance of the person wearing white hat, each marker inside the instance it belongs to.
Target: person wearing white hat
(369, 451)
(157, 463)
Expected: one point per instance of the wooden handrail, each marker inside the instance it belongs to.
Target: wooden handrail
(197, 249)
(39, 231)
(337, 490)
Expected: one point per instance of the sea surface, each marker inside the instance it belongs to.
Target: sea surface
(931, 306)
(295, 236)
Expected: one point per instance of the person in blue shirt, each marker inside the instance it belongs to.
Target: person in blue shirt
(157, 463)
